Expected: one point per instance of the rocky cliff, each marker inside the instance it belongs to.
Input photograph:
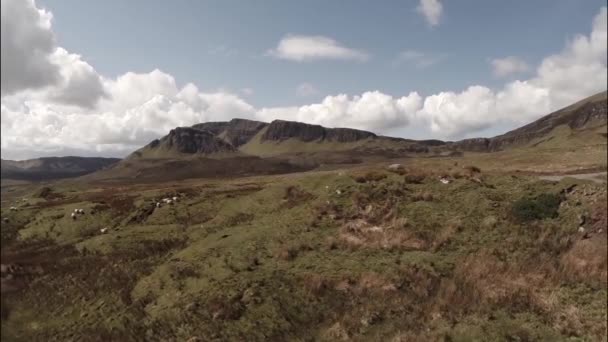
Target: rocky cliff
(280, 130)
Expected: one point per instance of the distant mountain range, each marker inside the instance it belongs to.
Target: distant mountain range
(243, 147)
(53, 167)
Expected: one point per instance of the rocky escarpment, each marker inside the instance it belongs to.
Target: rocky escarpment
(281, 130)
(236, 132)
(191, 140)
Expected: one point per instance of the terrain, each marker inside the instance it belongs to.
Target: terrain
(50, 168)
(290, 232)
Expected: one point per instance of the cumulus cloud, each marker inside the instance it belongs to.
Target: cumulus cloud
(432, 10)
(372, 110)
(31, 60)
(27, 43)
(312, 48)
(139, 108)
(306, 89)
(508, 66)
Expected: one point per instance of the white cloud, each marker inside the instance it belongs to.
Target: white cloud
(419, 59)
(508, 66)
(311, 48)
(431, 9)
(306, 89)
(31, 60)
(372, 110)
(27, 43)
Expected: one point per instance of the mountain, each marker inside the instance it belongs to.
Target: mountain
(587, 115)
(247, 147)
(53, 167)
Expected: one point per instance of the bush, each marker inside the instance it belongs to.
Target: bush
(473, 169)
(542, 207)
(371, 176)
(414, 178)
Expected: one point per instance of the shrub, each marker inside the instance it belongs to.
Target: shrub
(473, 168)
(542, 207)
(414, 178)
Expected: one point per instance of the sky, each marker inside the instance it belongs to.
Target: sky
(103, 78)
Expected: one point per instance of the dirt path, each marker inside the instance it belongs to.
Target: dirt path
(598, 177)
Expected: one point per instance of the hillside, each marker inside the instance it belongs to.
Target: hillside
(589, 114)
(53, 167)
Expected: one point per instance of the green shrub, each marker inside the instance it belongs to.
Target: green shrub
(542, 207)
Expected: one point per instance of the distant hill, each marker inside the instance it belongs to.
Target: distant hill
(247, 147)
(53, 167)
(587, 117)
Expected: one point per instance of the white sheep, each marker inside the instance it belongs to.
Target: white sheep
(444, 180)
(73, 216)
(81, 211)
(104, 230)
(174, 199)
(13, 208)
(158, 204)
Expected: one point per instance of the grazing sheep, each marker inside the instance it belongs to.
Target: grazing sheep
(174, 199)
(444, 180)
(81, 211)
(581, 229)
(338, 192)
(158, 204)
(104, 230)
(73, 216)
(13, 208)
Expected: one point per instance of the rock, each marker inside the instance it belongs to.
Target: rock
(281, 130)
(191, 140)
(395, 167)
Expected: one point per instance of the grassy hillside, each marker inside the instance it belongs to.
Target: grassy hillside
(360, 254)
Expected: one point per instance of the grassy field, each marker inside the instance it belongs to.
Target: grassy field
(360, 254)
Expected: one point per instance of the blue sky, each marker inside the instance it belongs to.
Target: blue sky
(106, 77)
(221, 43)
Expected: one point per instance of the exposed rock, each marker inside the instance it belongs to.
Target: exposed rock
(236, 132)
(192, 140)
(280, 130)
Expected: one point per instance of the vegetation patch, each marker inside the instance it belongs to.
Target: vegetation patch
(543, 206)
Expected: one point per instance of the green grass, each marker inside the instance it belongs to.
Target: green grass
(214, 264)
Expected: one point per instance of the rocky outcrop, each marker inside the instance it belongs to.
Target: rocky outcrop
(192, 140)
(236, 132)
(473, 145)
(281, 130)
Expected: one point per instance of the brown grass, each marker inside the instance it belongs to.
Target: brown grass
(295, 196)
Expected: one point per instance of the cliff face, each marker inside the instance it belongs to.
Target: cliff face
(236, 132)
(192, 140)
(280, 130)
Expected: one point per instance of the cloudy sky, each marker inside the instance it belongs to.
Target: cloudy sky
(102, 78)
